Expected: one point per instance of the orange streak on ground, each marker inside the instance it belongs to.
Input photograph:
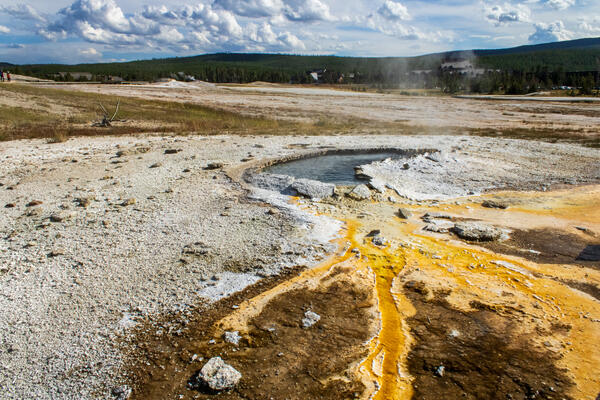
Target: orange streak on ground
(252, 307)
(473, 275)
(392, 341)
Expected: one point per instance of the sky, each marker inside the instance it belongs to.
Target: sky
(80, 31)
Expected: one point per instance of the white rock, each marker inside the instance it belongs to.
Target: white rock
(232, 337)
(477, 231)
(313, 189)
(310, 318)
(360, 192)
(218, 375)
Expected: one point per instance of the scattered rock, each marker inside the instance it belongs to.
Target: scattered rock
(360, 193)
(273, 211)
(405, 166)
(196, 249)
(62, 216)
(123, 153)
(232, 337)
(10, 205)
(374, 233)
(213, 165)
(404, 213)
(218, 375)
(273, 182)
(440, 371)
(34, 212)
(433, 215)
(313, 189)
(83, 202)
(156, 165)
(121, 392)
(494, 204)
(56, 253)
(377, 185)
(476, 231)
(438, 226)
(34, 203)
(379, 240)
(310, 318)
(128, 202)
(172, 151)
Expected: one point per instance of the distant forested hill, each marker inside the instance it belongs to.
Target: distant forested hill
(553, 63)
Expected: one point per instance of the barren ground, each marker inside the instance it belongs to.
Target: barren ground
(435, 114)
(124, 259)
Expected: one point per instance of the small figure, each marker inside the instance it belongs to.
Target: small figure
(8, 76)
(1, 75)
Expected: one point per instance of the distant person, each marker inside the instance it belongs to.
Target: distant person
(1, 75)
(8, 76)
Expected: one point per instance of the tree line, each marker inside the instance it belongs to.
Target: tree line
(418, 73)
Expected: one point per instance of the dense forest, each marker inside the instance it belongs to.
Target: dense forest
(574, 65)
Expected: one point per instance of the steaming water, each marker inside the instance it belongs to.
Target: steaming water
(330, 168)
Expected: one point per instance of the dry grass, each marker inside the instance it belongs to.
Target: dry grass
(138, 116)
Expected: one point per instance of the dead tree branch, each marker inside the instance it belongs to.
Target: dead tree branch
(106, 119)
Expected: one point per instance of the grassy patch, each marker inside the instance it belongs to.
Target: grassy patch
(136, 116)
(542, 135)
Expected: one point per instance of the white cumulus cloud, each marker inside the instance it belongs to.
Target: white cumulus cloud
(90, 54)
(23, 11)
(4, 29)
(589, 26)
(307, 11)
(251, 8)
(507, 13)
(552, 32)
(200, 26)
(393, 10)
(560, 4)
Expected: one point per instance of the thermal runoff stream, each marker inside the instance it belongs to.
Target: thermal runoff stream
(446, 314)
(473, 296)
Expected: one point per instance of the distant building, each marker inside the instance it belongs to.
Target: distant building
(462, 67)
(113, 79)
(75, 75)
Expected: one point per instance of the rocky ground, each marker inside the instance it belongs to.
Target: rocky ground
(114, 249)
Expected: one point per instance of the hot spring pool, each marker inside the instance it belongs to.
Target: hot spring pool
(330, 168)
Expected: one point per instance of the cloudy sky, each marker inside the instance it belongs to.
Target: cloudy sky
(73, 31)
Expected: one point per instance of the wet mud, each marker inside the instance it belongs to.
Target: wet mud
(585, 287)
(278, 357)
(475, 354)
(159, 356)
(550, 246)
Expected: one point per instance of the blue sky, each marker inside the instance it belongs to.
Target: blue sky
(74, 31)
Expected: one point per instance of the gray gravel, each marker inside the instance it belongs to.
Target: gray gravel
(114, 241)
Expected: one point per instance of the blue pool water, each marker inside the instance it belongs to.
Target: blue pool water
(329, 168)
